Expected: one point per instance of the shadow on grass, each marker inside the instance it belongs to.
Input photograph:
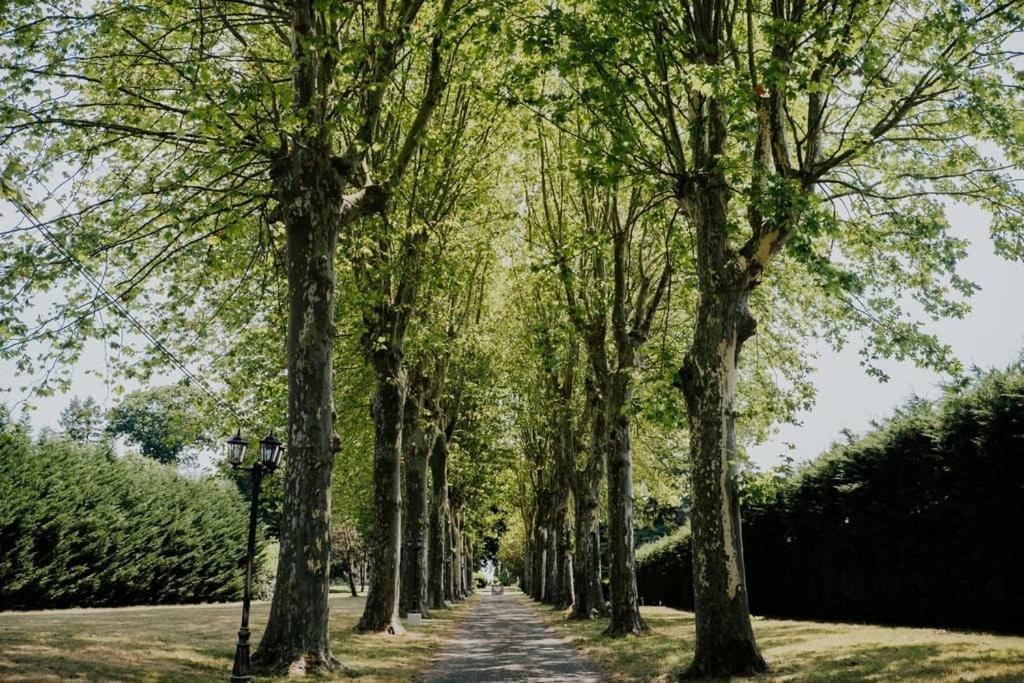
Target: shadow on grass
(805, 651)
(188, 643)
(905, 662)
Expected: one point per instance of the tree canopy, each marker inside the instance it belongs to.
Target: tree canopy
(515, 275)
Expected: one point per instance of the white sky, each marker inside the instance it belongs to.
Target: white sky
(991, 335)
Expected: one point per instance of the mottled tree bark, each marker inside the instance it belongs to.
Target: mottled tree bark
(625, 603)
(558, 564)
(589, 598)
(588, 601)
(416, 441)
(629, 337)
(564, 599)
(536, 545)
(540, 562)
(458, 573)
(550, 565)
(381, 610)
(436, 579)
(468, 554)
(449, 557)
(725, 639)
(525, 581)
(296, 637)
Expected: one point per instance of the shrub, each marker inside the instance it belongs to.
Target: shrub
(480, 580)
(916, 523)
(79, 527)
(664, 571)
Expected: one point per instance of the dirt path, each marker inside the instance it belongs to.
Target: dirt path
(502, 640)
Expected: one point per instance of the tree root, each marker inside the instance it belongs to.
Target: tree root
(636, 627)
(750, 664)
(316, 663)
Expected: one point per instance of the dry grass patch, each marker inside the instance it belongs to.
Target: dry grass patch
(804, 650)
(191, 643)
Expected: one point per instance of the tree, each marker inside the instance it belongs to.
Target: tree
(223, 126)
(393, 263)
(168, 424)
(587, 229)
(544, 399)
(310, 182)
(82, 420)
(346, 547)
(826, 134)
(784, 158)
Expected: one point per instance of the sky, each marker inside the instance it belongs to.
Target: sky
(992, 335)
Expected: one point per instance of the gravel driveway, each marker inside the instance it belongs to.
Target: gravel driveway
(502, 640)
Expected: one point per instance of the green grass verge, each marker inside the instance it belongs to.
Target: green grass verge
(803, 650)
(192, 643)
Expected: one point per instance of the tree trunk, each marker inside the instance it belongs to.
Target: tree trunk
(589, 598)
(550, 566)
(449, 580)
(458, 569)
(381, 610)
(558, 577)
(537, 544)
(725, 640)
(350, 572)
(436, 579)
(588, 601)
(296, 637)
(542, 563)
(467, 553)
(625, 607)
(417, 446)
(524, 581)
(565, 588)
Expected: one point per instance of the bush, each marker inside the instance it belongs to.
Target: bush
(79, 527)
(917, 522)
(664, 572)
(480, 580)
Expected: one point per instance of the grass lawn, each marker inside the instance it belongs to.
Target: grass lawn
(190, 643)
(804, 650)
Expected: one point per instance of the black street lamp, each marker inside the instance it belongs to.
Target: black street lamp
(267, 461)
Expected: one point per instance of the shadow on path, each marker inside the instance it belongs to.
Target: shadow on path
(502, 640)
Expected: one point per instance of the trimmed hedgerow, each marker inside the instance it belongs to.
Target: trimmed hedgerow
(79, 527)
(664, 572)
(918, 522)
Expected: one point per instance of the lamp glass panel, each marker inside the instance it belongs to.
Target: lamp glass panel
(269, 450)
(236, 446)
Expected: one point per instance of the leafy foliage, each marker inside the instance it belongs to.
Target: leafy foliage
(913, 523)
(167, 423)
(81, 528)
(82, 420)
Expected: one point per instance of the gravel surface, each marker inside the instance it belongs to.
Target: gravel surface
(503, 640)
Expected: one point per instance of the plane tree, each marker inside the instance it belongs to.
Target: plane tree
(832, 135)
(201, 143)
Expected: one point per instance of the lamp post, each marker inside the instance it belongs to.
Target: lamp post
(267, 461)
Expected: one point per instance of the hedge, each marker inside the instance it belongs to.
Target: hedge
(918, 522)
(79, 527)
(664, 573)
